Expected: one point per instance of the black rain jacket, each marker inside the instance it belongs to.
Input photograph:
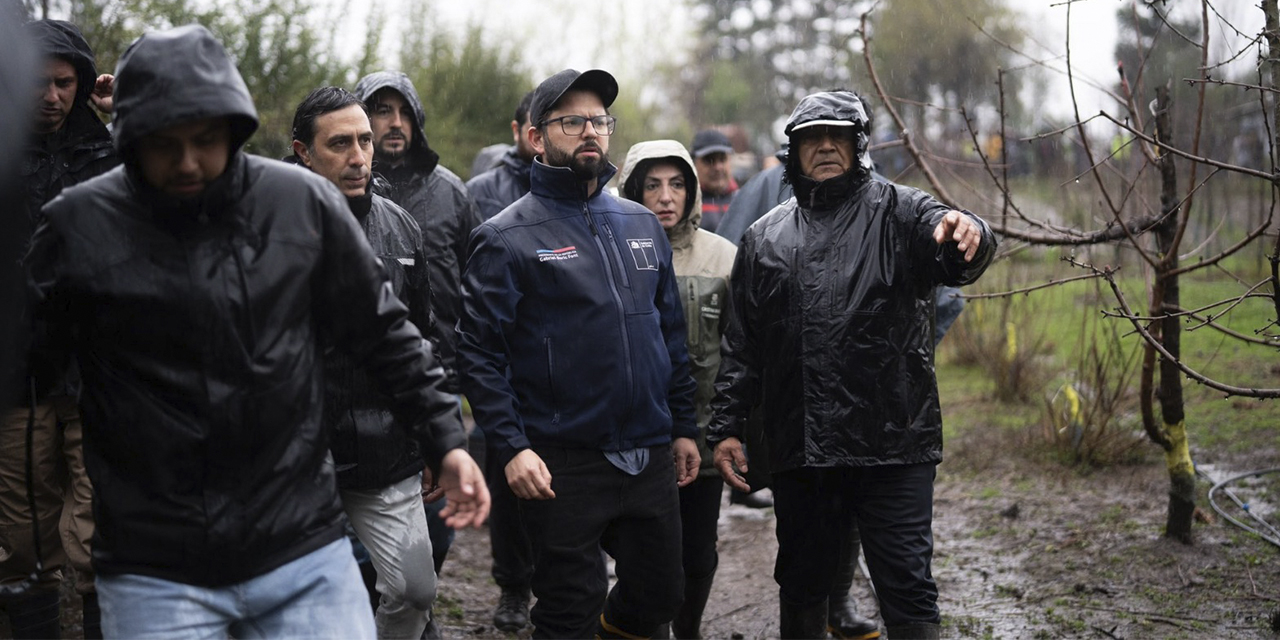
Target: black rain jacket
(79, 150)
(832, 317)
(495, 189)
(369, 449)
(438, 201)
(197, 325)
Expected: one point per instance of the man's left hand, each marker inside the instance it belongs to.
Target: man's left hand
(958, 228)
(465, 489)
(687, 458)
(101, 96)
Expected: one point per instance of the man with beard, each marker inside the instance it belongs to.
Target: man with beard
(434, 196)
(498, 187)
(846, 388)
(69, 145)
(512, 568)
(378, 466)
(197, 286)
(572, 342)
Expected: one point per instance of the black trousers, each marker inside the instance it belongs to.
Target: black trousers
(892, 506)
(512, 554)
(635, 519)
(699, 513)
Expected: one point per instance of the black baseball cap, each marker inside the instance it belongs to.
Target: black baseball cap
(710, 141)
(552, 89)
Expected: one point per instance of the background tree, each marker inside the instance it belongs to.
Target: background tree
(1153, 208)
(469, 89)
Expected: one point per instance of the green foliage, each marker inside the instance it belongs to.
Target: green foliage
(469, 90)
(960, 65)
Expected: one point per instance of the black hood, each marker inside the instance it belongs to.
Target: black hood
(170, 77)
(834, 107)
(420, 154)
(61, 39)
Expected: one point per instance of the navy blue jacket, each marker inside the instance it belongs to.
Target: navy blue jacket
(495, 189)
(572, 334)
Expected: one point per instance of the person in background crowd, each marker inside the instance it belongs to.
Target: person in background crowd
(68, 145)
(378, 466)
(848, 392)
(574, 360)
(498, 187)
(438, 201)
(512, 570)
(711, 150)
(660, 175)
(197, 285)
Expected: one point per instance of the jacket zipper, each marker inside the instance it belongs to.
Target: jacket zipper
(622, 314)
(551, 382)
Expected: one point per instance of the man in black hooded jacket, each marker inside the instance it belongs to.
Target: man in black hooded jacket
(831, 335)
(379, 468)
(68, 145)
(435, 197)
(198, 285)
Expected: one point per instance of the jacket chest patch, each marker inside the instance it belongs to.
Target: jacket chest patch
(644, 254)
(711, 307)
(564, 253)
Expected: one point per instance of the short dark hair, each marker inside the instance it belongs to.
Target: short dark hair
(522, 110)
(317, 103)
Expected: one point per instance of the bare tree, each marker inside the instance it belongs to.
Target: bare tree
(1156, 230)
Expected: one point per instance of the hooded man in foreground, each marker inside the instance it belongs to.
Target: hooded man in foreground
(197, 285)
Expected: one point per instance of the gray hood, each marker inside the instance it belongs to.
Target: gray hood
(170, 77)
(419, 150)
(639, 157)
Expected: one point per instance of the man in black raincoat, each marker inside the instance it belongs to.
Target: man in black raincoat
(197, 286)
(435, 197)
(68, 145)
(507, 180)
(832, 335)
(379, 467)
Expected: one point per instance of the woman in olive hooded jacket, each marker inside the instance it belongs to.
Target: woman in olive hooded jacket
(702, 261)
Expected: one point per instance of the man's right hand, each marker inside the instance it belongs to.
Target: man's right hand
(528, 477)
(728, 454)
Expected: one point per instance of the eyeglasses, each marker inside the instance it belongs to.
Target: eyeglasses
(575, 125)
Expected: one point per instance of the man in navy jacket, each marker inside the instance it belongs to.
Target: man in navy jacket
(572, 348)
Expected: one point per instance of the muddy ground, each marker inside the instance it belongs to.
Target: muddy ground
(1024, 549)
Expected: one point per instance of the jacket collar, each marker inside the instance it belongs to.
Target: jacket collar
(830, 193)
(561, 183)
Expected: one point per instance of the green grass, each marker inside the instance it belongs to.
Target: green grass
(1053, 327)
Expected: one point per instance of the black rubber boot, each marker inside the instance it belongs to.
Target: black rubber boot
(802, 622)
(92, 616)
(512, 613)
(606, 631)
(843, 620)
(688, 622)
(36, 616)
(915, 631)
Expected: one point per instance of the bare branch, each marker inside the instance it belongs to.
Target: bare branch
(1045, 285)
(1227, 83)
(1126, 312)
(940, 192)
(1274, 178)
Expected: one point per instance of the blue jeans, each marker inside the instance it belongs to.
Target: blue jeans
(319, 595)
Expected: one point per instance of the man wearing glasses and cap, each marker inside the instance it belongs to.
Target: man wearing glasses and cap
(572, 350)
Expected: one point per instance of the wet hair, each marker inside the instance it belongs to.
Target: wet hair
(317, 103)
(522, 110)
